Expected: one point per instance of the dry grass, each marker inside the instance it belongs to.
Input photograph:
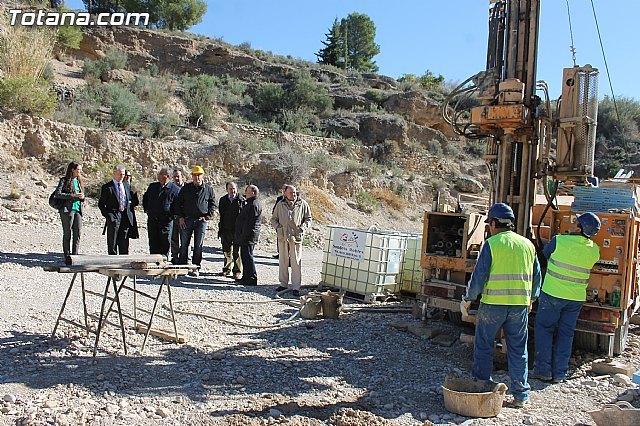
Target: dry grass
(320, 204)
(389, 198)
(25, 52)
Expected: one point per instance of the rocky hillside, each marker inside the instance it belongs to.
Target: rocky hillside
(381, 150)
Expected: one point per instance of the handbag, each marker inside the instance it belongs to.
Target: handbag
(54, 202)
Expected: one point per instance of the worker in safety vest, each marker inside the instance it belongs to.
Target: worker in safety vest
(571, 258)
(508, 277)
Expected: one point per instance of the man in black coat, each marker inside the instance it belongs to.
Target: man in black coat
(195, 205)
(157, 202)
(247, 234)
(229, 207)
(115, 206)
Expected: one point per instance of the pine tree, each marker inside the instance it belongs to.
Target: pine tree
(350, 44)
(331, 53)
(360, 31)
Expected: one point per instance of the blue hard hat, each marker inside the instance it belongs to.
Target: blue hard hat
(590, 223)
(500, 211)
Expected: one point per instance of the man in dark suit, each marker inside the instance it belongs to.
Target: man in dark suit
(248, 233)
(115, 206)
(157, 202)
(229, 207)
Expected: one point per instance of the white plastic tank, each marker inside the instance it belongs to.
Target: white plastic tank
(411, 272)
(365, 262)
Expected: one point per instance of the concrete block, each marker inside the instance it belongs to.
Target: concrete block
(612, 367)
(423, 331)
(445, 340)
(402, 326)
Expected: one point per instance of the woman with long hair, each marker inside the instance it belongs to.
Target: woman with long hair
(71, 191)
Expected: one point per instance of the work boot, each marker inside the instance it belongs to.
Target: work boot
(540, 377)
(519, 403)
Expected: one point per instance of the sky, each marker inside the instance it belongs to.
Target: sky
(446, 37)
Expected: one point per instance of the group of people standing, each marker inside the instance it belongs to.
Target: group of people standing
(178, 212)
(508, 279)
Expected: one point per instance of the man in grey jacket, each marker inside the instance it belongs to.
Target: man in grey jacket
(291, 218)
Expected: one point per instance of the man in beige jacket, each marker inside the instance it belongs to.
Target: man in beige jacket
(291, 218)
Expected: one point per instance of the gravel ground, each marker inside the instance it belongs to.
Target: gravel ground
(354, 371)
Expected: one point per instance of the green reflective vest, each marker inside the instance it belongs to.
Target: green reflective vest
(569, 267)
(511, 273)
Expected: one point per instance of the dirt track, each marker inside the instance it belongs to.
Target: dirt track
(354, 371)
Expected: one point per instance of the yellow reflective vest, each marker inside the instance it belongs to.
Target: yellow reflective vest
(511, 274)
(569, 267)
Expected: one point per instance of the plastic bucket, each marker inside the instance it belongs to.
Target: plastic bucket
(473, 398)
(331, 304)
(311, 306)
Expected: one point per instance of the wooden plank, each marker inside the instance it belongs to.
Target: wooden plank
(163, 334)
(121, 272)
(106, 260)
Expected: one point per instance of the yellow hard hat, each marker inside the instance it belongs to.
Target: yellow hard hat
(197, 170)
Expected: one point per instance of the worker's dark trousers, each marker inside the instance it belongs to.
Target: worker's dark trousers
(552, 360)
(513, 320)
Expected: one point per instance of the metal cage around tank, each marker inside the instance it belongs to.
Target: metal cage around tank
(375, 270)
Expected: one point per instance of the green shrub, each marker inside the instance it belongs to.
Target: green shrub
(75, 114)
(476, 148)
(349, 145)
(162, 125)
(255, 145)
(366, 202)
(153, 69)
(297, 120)
(47, 73)
(370, 168)
(200, 97)
(452, 150)
(27, 95)
(95, 69)
(125, 110)
(306, 92)
(151, 89)
(269, 145)
(376, 96)
(437, 184)
(321, 160)
(381, 152)
(69, 37)
(292, 163)
(434, 147)
(59, 159)
(116, 58)
(270, 99)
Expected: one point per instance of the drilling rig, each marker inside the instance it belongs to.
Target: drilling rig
(533, 147)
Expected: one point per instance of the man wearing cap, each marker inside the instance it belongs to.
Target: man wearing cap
(507, 275)
(115, 205)
(571, 258)
(195, 205)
